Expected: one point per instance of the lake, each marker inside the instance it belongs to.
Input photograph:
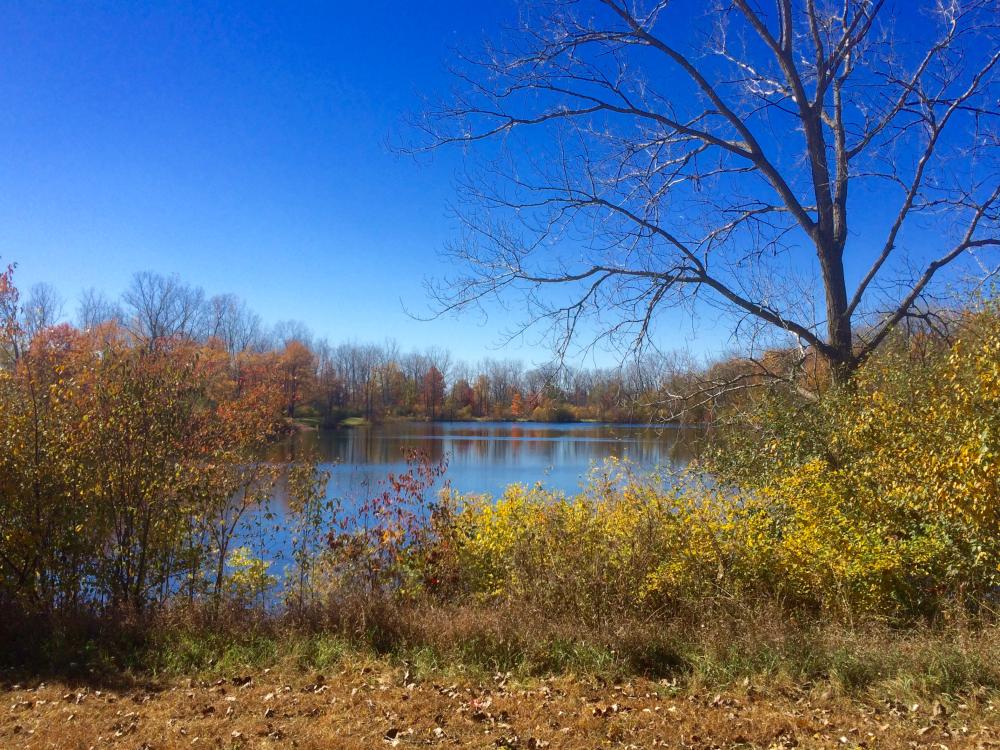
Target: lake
(485, 457)
(482, 457)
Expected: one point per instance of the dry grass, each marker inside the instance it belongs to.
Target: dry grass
(477, 677)
(372, 704)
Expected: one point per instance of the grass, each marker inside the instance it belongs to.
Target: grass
(339, 698)
(498, 678)
(711, 652)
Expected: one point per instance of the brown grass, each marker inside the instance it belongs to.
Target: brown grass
(390, 676)
(371, 704)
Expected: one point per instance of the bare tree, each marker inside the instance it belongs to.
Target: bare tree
(158, 307)
(95, 308)
(812, 166)
(234, 324)
(440, 358)
(504, 377)
(42, 309)
(21, 321)
(286, 331)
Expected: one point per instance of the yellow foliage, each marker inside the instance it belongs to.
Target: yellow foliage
(249, 576)
(883, 499)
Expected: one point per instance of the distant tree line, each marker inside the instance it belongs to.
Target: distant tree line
(325, 383)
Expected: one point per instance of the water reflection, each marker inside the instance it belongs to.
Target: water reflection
(486, 457)
(482, 458)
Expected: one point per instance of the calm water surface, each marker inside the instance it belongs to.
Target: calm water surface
(482, 457)
(485, 457)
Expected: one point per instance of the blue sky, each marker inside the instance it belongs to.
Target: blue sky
(242, 146)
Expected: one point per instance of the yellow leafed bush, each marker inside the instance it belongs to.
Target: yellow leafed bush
(882, 499)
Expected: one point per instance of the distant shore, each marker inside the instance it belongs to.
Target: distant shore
(311, 423)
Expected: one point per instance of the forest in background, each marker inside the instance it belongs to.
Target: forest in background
(323, 384)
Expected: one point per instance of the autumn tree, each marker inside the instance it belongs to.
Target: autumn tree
(433, 391)
(462, 396)
(43, 529)
(517, 405)
(296, 367)
(817, 169)
(226, 481)
(330, 387)
(10, 327)
(481, 389)
(126, 468)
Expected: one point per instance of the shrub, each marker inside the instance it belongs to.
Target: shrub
(880, 500)
(885, 496)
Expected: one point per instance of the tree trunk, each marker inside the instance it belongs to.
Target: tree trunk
(840, 334)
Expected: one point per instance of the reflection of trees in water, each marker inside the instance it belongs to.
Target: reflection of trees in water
(472, 445)
(482, 458)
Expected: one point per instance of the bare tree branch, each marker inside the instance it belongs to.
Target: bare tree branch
(643, 154)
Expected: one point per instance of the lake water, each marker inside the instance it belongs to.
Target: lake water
(482, 457)
(485, 457)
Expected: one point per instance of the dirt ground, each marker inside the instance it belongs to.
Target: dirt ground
(379, 707)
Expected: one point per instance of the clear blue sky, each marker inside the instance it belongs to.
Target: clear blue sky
(242, 146)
